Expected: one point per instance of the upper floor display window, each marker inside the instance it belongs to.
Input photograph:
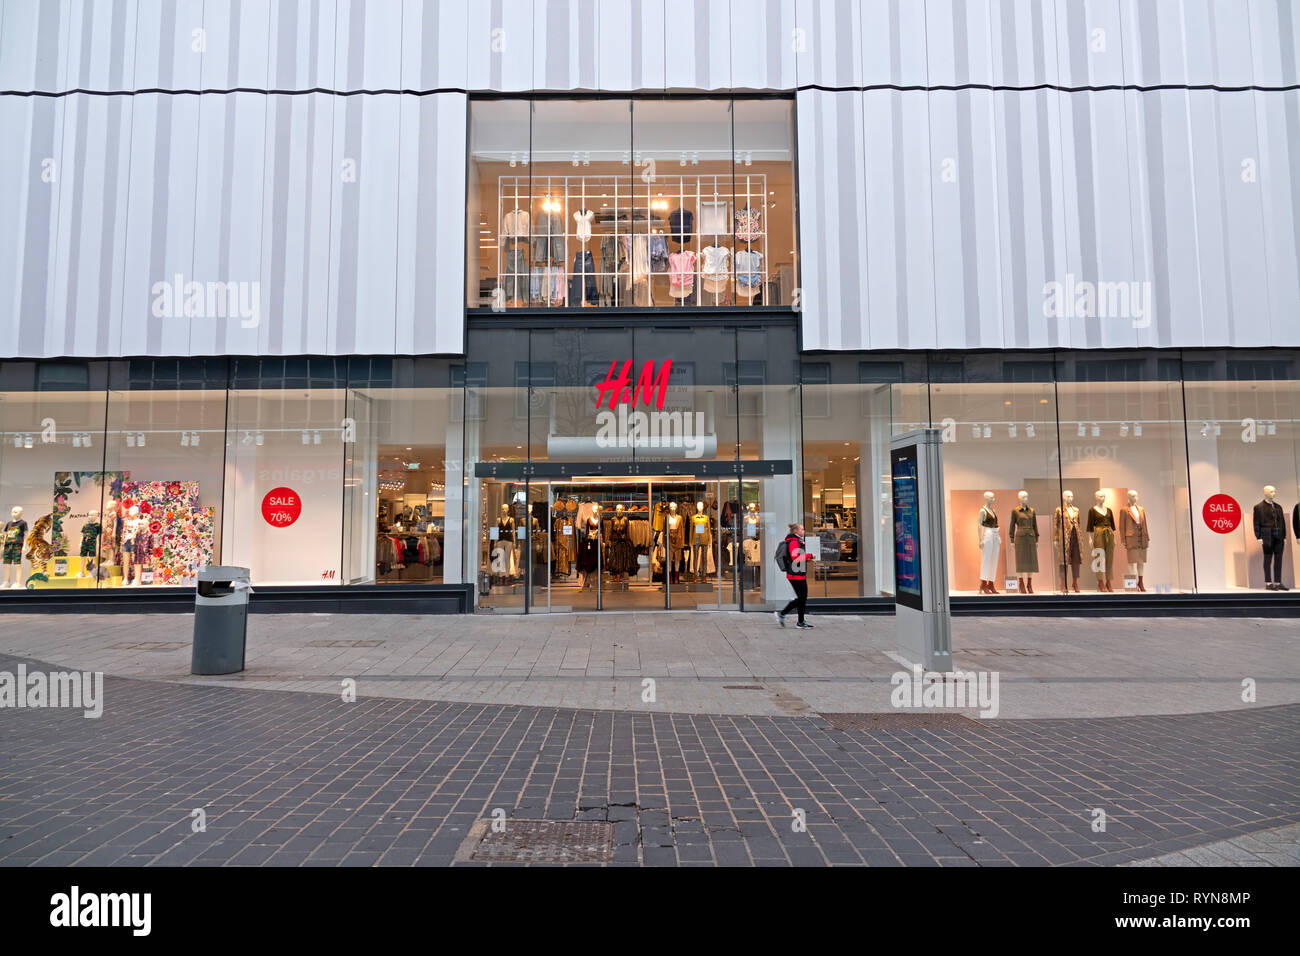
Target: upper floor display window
(621, 203)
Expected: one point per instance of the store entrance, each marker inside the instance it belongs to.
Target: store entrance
(620, 544)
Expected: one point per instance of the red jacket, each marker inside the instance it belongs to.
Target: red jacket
(797, 554)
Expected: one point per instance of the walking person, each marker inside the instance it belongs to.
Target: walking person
(793, 558)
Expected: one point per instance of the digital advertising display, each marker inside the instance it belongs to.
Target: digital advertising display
(907, 527)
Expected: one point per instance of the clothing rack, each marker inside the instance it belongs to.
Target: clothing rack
(630, 199)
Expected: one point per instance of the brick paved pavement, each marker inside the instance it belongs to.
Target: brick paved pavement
(306, 779)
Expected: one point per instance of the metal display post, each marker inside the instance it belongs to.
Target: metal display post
(922, 618)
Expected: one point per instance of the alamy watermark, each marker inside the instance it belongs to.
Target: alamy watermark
(179, 299)
(73, 689)
(959, 689)
(1087, 299)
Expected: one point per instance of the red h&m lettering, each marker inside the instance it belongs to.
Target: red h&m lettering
(650, 389)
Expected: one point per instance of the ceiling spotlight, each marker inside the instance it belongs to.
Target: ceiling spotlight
(306, 438)
(1123, 430)
(749, 159)
(1096, 430)
(1137, 429)
(523, 158)
(194, 439)
(988, 431)
(139, 440)
(974, 431)
(1218, 429)
(575, 159)
(636, 158)
(586, 159)
(682, 161)
(695, 159)
(1029, 429)
(130, 440)
(76, 441)
(258, 440)
(1272, 428)
(248, 436)
(512, 160)
(27, 441)
(624, 157)
(1082, 430)
(1011, 430)
(185, 439)
(1205, 429)
(315, 438)
(18, 440)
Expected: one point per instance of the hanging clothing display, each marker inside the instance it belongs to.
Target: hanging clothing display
(561, 552)
(657, 522)
(680, 224)
(681, 274)
(515, 223)
(583, 219)
(713, 219)
(582, 284)
(548, 239)
(749, 272)
(749, 223)
(612, 259)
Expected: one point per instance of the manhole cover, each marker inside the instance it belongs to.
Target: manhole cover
(149, 646)
(344, 643)
(898, 721)
(540, 841)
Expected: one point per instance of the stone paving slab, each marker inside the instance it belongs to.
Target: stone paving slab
(308, 779)
(1047, 667)
(1277, 847)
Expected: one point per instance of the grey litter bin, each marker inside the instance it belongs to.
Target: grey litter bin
(220, 620)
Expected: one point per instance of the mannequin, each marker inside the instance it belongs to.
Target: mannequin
(506, 539)
(1023, 535)
(1065, 539)
(990, 543)
(1133, 531)
(675, 526)
(1270, 530)
(109, 539)
(701, 541)
(131, 531)
(90, 532)
(622, 555)
(15, 533)
(1101, 529)
(589, 548)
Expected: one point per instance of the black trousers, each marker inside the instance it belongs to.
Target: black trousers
(800, 601)
(1273, 548)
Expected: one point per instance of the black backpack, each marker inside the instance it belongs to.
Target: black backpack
(783, 561)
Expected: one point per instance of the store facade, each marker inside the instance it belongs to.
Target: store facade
(553, 331)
